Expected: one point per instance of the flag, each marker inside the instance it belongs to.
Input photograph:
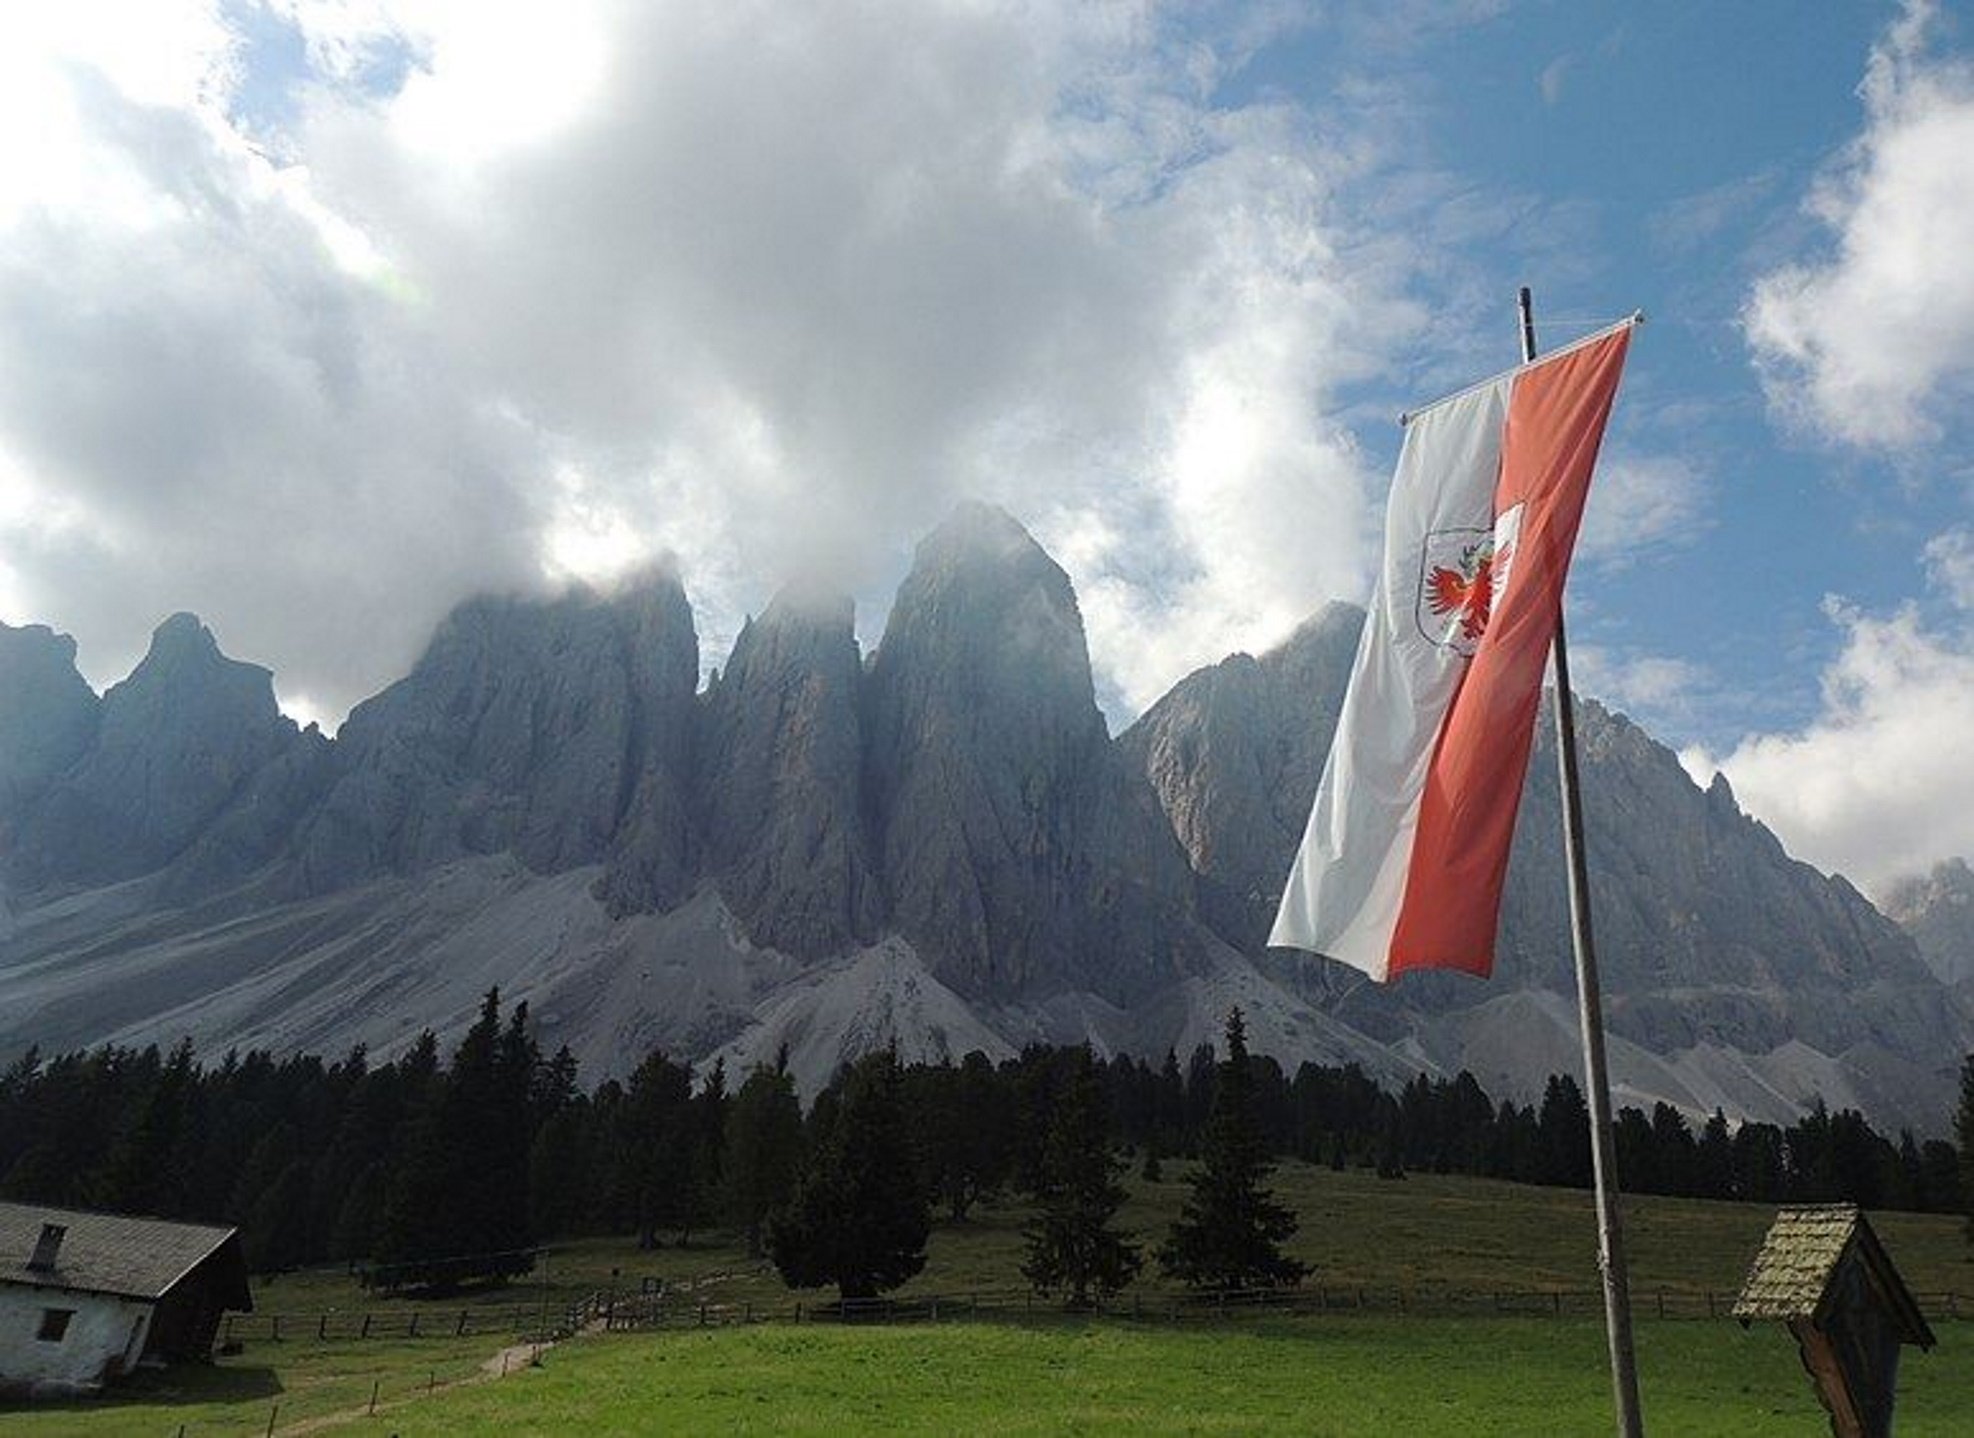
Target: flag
(1402, 863)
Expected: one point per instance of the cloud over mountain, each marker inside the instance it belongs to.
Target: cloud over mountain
(491, 299)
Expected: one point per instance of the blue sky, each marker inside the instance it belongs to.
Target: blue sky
(318, 315)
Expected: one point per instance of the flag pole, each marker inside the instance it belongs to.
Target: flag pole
(1590, 1014)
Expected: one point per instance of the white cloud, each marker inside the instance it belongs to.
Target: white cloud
(1873, 344)
(1553, 77)
(1878, 784)
(1950, 566)
(1654, 689)
(761, 285)
(1640, 503)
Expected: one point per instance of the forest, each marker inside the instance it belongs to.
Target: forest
(439, 1167)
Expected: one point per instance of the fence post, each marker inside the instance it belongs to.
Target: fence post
(1953, 1310)
(321, 1327)
(1662, 1303)
(366, 1327)
(373, 1394)
(1710, 1303)
(460, 1332)
(277, 1326)
(702, 1313)
(272, 1414)
(412, 1332)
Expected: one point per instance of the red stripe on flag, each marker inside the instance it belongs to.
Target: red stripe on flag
(1467, 813)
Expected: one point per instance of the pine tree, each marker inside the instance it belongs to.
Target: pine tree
(1563, 1135)
(1229, 1233)
(1071, 1245)
(763, 1151)
(656, 1154)
(963, 1132)
(859, 1218)
(458, 1204)
(1963, 1131)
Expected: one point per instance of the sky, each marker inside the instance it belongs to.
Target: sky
(318, 316)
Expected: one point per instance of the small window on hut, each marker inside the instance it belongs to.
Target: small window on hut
(54, 1324)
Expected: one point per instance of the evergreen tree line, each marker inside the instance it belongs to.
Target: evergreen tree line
(434, 1169)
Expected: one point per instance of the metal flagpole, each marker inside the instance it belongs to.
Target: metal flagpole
(1590, 1015)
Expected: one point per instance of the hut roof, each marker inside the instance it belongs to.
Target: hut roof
(116, 1254)
(1791, 1275)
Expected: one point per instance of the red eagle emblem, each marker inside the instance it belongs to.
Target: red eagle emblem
(1467, 591)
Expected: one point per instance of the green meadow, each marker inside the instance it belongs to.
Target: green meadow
(1459, 1361)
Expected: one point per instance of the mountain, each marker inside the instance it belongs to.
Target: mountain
(939, 846)
(48, 716)
(1717, 951)
(1937, 909)
(155, 763)
(1017, 848)
(779, 781)
(540, 729)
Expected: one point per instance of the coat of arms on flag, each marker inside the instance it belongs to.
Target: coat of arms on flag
(1463, 574)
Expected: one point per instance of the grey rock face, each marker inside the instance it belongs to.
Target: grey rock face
(47, 712)
(1707, 932)
(1018, 850)
(1937, 910)
(545, 802)
(779, 781)
(1234, 753)
(534, 727)
(174, 743)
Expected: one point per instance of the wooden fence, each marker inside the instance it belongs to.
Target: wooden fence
(623, 1312)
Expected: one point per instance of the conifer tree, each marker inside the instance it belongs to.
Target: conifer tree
(654, 1140)
(763, 1150)
(1071, 1246)
(1963, 1130)
(1229, 1233)
(859, 1218)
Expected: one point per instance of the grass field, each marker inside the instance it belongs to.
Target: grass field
(1330, 1375)
(1336, 1372)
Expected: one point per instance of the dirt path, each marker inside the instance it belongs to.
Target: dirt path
(511, 1359)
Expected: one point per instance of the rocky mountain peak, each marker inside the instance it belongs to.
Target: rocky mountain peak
(47, 712)
(182, 638)
(528, 725)
(780, 779)
(1234, 752)
(985, 611)
(173, 744)
(1010, 832)
(1937, 909)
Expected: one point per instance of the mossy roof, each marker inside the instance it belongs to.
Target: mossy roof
(1792, 1273)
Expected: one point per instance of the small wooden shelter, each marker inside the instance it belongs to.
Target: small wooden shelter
(1823, 1272)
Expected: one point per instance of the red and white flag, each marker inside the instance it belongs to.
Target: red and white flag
(1402, 863)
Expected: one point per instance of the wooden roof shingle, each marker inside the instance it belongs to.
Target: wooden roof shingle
(1791, 1275)
(114, 1253)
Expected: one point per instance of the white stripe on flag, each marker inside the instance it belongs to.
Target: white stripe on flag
(1348, 880)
